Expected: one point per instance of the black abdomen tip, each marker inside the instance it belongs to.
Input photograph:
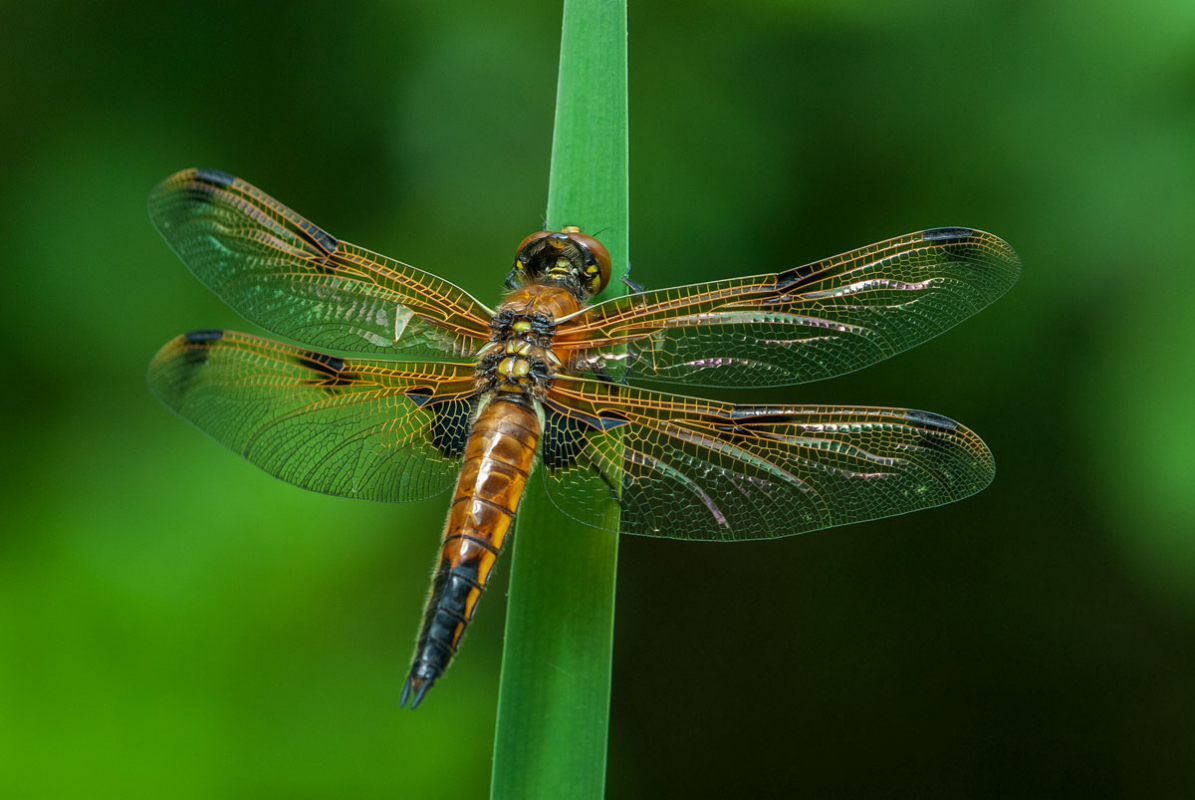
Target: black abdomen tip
(196, 337)
(933, 234)
(214, 176)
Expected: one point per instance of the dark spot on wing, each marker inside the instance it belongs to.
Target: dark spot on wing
(934, 234)
(330, 367)
(322, 362)
(200, 346)
(612, 420)
(451, 425)
(320, 237)
(563, 440)
(931, 420)
(195, 356)
(210, 335)
(214, 176)
(793, 277)
(419, 395)
(451, 420)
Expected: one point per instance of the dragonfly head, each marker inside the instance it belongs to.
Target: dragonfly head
(566, 258)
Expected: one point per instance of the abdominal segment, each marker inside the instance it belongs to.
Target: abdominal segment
(498, 459)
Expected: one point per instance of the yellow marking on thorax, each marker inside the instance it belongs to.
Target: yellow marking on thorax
(515, 367)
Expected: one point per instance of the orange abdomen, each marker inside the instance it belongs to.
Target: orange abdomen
(498, 459)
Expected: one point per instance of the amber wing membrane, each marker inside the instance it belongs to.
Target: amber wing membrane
(806, 324)
(686, 468)
(282, 272)
(356, 428)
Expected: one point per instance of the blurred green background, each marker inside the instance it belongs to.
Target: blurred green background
(175, 623)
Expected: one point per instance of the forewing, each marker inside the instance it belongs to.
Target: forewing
(282, 272)
(809, 323)
(686, 468)
(355, 428)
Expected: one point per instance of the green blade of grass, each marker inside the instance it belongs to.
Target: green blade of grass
(554, 697)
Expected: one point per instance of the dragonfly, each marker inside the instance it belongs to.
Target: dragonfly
(404, 386)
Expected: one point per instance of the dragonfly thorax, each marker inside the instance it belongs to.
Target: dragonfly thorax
(519, 359)
(517, 365)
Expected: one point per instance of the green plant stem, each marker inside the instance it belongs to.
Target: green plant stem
(554, 698)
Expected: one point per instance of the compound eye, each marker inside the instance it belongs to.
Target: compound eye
(535, 237)
(600, 254)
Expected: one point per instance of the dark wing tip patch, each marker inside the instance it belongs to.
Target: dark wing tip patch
(936, 234)
(931, 420)
(214, 176)
(203, 336)
(200, 346)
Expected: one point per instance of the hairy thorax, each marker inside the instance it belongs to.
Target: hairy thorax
(518, 361)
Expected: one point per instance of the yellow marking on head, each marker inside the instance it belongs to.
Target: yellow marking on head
(562, 263)
(521, 326)
(591, 270)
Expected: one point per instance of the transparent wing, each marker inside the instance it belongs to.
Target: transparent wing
(809, 323)
(356, 428)
(685, 468)
(280, 271)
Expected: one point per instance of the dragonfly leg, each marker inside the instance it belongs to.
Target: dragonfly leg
(634, 286)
